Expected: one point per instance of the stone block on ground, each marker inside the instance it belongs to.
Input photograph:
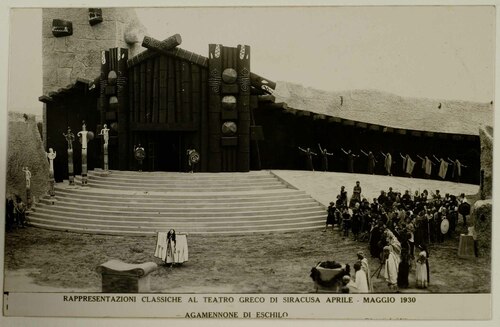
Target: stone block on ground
(121, 277)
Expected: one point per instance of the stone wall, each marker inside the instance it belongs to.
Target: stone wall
(79, 56)
(486, 138)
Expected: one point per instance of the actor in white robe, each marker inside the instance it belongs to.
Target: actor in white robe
(366, 268)
(421, 270)
(361, 282)
(391, 268)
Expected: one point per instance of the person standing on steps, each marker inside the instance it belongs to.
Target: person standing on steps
(387, 163)
(324, 155)
(350, 160)
(309, 160)
(370, 164)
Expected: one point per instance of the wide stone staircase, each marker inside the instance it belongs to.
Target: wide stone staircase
(143, 203)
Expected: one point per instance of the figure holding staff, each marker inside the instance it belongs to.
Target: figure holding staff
(70, 137)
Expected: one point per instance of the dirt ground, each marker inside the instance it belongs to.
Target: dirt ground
(43, 260)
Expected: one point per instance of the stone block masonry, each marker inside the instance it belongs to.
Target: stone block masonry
(79, 56)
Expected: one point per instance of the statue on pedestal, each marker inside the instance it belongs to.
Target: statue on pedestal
(85, 136)
(105, 136)
(51, 155)
(70, 137)
(27, 174)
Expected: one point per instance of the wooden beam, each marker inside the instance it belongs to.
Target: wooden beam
(45, 99)
(266, 98)
(165, 45)
(165, 48)
(319, 116)
(262, 83)
(334, 119)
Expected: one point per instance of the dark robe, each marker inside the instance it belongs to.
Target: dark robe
(371, 164)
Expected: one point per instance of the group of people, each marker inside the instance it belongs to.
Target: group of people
(398, 228)
(405, 165)
(15, 213)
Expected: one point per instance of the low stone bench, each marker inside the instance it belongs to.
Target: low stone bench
(121, 277)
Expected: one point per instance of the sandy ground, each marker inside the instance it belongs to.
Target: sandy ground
(38, 260)
(260, 263)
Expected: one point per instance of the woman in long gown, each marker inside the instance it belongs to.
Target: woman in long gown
(421, 270)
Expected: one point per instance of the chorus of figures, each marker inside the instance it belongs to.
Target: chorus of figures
(398, 229)
(379, 162)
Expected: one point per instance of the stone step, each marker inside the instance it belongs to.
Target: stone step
(140, 203)
(69, 204)
(180, 226)
(187, 178)
(181, 202)
(194, 215)
(176, 175)
(183, 188)
(125, 196)
(187, 181)
(92, 230)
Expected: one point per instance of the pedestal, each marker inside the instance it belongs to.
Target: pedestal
(466, 246)
(121, 277)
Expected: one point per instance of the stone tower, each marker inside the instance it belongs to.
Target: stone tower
(66, 58)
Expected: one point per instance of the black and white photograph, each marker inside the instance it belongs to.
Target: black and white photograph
(249, 162)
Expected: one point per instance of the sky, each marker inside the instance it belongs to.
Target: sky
(440, 52)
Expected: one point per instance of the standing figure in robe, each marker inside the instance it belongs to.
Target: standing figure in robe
(370, 166)
(324, 155)
(350, 160)
(309, 160)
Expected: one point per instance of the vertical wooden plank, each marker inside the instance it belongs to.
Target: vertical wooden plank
(137, 93)
(178, 92)
(204, 119)
(103, 100)
(149, 89)
(131, 101)
(195, 103)
(163, 90)
(170, 90)
(122, 88)
(214, 107)
(186, 91)
(156, 76)
(243, 70)
(142, 118)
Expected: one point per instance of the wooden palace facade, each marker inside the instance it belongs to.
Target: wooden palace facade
(169, 100)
